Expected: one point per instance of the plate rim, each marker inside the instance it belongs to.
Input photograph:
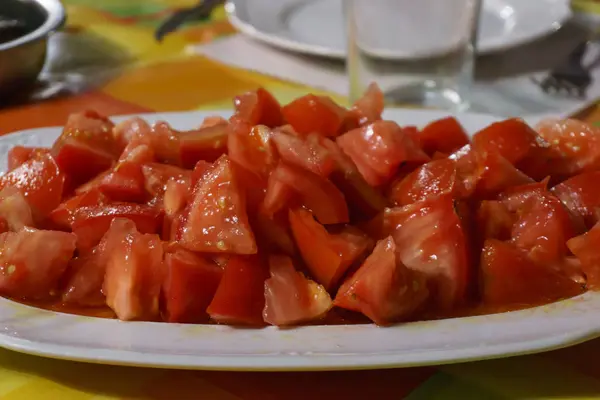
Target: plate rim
(19, 321)
(290, 45)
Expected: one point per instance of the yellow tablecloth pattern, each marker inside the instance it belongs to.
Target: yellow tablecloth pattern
(146, 76)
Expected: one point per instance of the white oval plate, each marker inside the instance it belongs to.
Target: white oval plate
(58, 335)
(316, 27)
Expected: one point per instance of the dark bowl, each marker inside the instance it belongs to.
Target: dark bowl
(23, 50)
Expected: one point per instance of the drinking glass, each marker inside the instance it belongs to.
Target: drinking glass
(419, 52)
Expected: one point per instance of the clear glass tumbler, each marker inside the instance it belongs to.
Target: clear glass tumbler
(420, 52)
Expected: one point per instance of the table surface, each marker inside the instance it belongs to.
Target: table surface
(107, 59)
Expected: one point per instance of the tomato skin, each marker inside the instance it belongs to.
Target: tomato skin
(315, 114)
(444, 135)
(156, 176)
(378, 149)
(430, 239)
(63, 215)
(272, 231)
(134, 272)
(581, 195)
(495, 221)
(364, 200)
(207, 144)
(40, 181)
(258, 108)
(429, 180)
(575, 145)
(327, 256)
(512, 138)
(19, 155)
(86, 146)
(85, 277)
(252, 148)
(129, 130)
(585, 248)
(509, 277)
(291, 298)
(124, 183)
(495, 174)
(306, 153)
(543, 227)
(90, 223)
(32, 262)
(369, 107)
(216, 219)
(240, 297)
(383, 289)
(190, 284)
(318, 194)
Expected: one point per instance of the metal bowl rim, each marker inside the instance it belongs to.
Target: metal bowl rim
(55, 17)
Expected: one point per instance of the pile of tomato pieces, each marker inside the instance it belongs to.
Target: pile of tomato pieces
(286, 215)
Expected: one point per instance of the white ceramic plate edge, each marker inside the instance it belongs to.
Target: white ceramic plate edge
(57, 335)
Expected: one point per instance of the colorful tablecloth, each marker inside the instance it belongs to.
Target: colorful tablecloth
(107, 53)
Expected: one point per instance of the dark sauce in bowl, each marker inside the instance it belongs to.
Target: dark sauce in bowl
(19, 18)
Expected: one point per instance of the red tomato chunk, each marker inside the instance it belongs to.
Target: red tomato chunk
(301, 213)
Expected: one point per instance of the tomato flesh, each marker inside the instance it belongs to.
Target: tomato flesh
(509, 277)
(585, 248)
(19, 155)
(62, 216)
(32, 262)
(190, 284)
(207, 144)
(581, 195)
(258, 108)
(240, 297)
(383, 289)
(315, 114)
(429, 180)
(291, 298)
(327, 256)
(134, 272)
(216, 220)
(444, 135)
(378, 150)
(14, 210)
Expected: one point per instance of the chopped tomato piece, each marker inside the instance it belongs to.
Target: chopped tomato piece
(361, 197)
(291, 298)
(40, 181)
(86, 146)
(277, 196)
(429, 180)
(14, 210)
(176, 194)
(273, 231)
(585, 247)
(327, 256)
(134, 272)
(444, 135)
(156, 177)
(315, 114)
(576, 143)
(32, 262)
(511, 278)
(318, 194)
(430, 239)
(124, 183)
(258, 108)
(543, 227)
(199, 169)
(379, 149)
(252, 148)
(581, 195)
(63, 215)
(383, 289)
(216, 220)
(203, 144)
(307, 153)
(495, 221)
(240, 297)
(19, 155)
(370, 106)
(90, 223)
(190, 285)
(85, 278)
(495, 174)
(126, 131)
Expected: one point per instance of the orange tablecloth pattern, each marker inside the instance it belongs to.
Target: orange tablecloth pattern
(145, 76)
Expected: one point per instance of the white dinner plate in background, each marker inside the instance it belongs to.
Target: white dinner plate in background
(316, 27)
